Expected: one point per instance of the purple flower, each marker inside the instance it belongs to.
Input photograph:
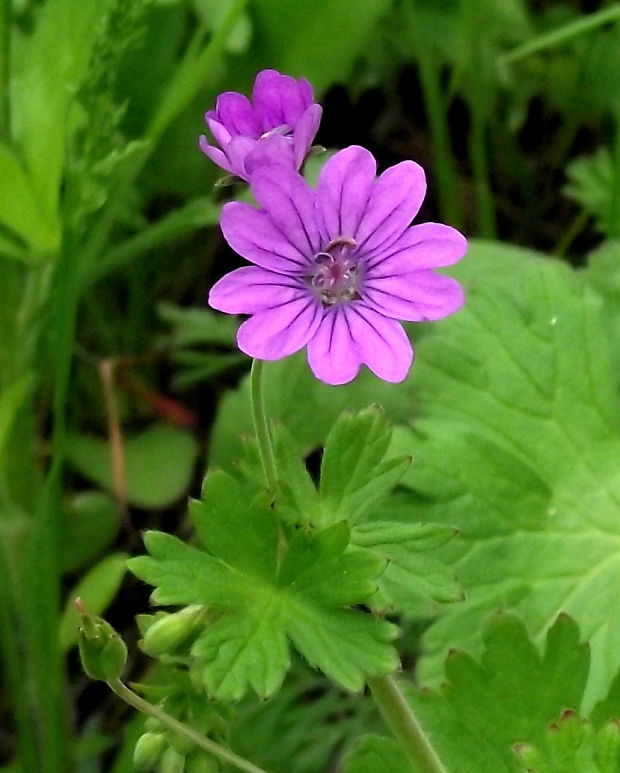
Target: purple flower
(336, 268)
(277, 126)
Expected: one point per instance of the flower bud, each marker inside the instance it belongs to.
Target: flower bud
(201, 762)
(102, 651)
(148, 751)
(169, 633)
(172, 761)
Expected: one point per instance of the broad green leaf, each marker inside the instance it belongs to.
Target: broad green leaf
(354, 474)
(519, 449)
(511, 695)
(47, 70)
(91, 523)
(375, 753)
(310, 39)
(246, 539)
(571, 745)
(253, 614)
(413, 581)
(11, 400)
(19, 209)
(97, 589)
(159, 464)
(229, 648)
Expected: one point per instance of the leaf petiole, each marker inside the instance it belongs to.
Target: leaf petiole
(403, 723)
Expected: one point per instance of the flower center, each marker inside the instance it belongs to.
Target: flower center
(334, 274)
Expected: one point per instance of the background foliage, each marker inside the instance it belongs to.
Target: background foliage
(117, 385)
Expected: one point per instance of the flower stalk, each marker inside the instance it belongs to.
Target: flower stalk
(402, 722)
(170, 723)
(261, 426)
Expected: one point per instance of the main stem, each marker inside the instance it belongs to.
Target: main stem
(170, 723)
(261, 426)
(402, 722)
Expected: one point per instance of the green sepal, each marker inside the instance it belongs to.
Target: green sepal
(102, 651)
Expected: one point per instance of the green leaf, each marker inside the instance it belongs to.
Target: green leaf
(511, 695)
(309, 39)
(413, 582)
(591, 184)
(245, 539)
(244, 643)
(159, 463)
(374, 753)
(19, 209)
(97, 589)
(44, 83)
(354, 475)
(572, 746)
(519, 449)
(92, 521)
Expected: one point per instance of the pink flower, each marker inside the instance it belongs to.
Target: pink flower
(277, 126)
(335, 268)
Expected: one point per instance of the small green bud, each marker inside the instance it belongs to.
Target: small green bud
(172, 761)
(102, 651)
(201, 762)
(169, 633)
(148, 751)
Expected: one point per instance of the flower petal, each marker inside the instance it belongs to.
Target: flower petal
(221, 134)
(251, 233)
(279, 99)
(289, 201)
(394, 202)
(331, 352)
(424, 246)
(251, 289)
(270, 151)
(237, 150)
(344, 191)
(237, 114)
(417, 297)
(305, 132)
(281, 330)
(381, 343)
(215, 154)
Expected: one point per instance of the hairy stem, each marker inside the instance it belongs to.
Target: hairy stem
(402, 722)
(261, 426)
(170, 723)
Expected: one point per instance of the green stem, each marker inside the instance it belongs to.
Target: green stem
(479, 160)
(562, 34)
(447, 184)
(170, 723)
(261, 426)
(5, 60)
(571, 233)
(43, 573)
(402, 722)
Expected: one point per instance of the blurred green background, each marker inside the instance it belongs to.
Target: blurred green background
(111, 369)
